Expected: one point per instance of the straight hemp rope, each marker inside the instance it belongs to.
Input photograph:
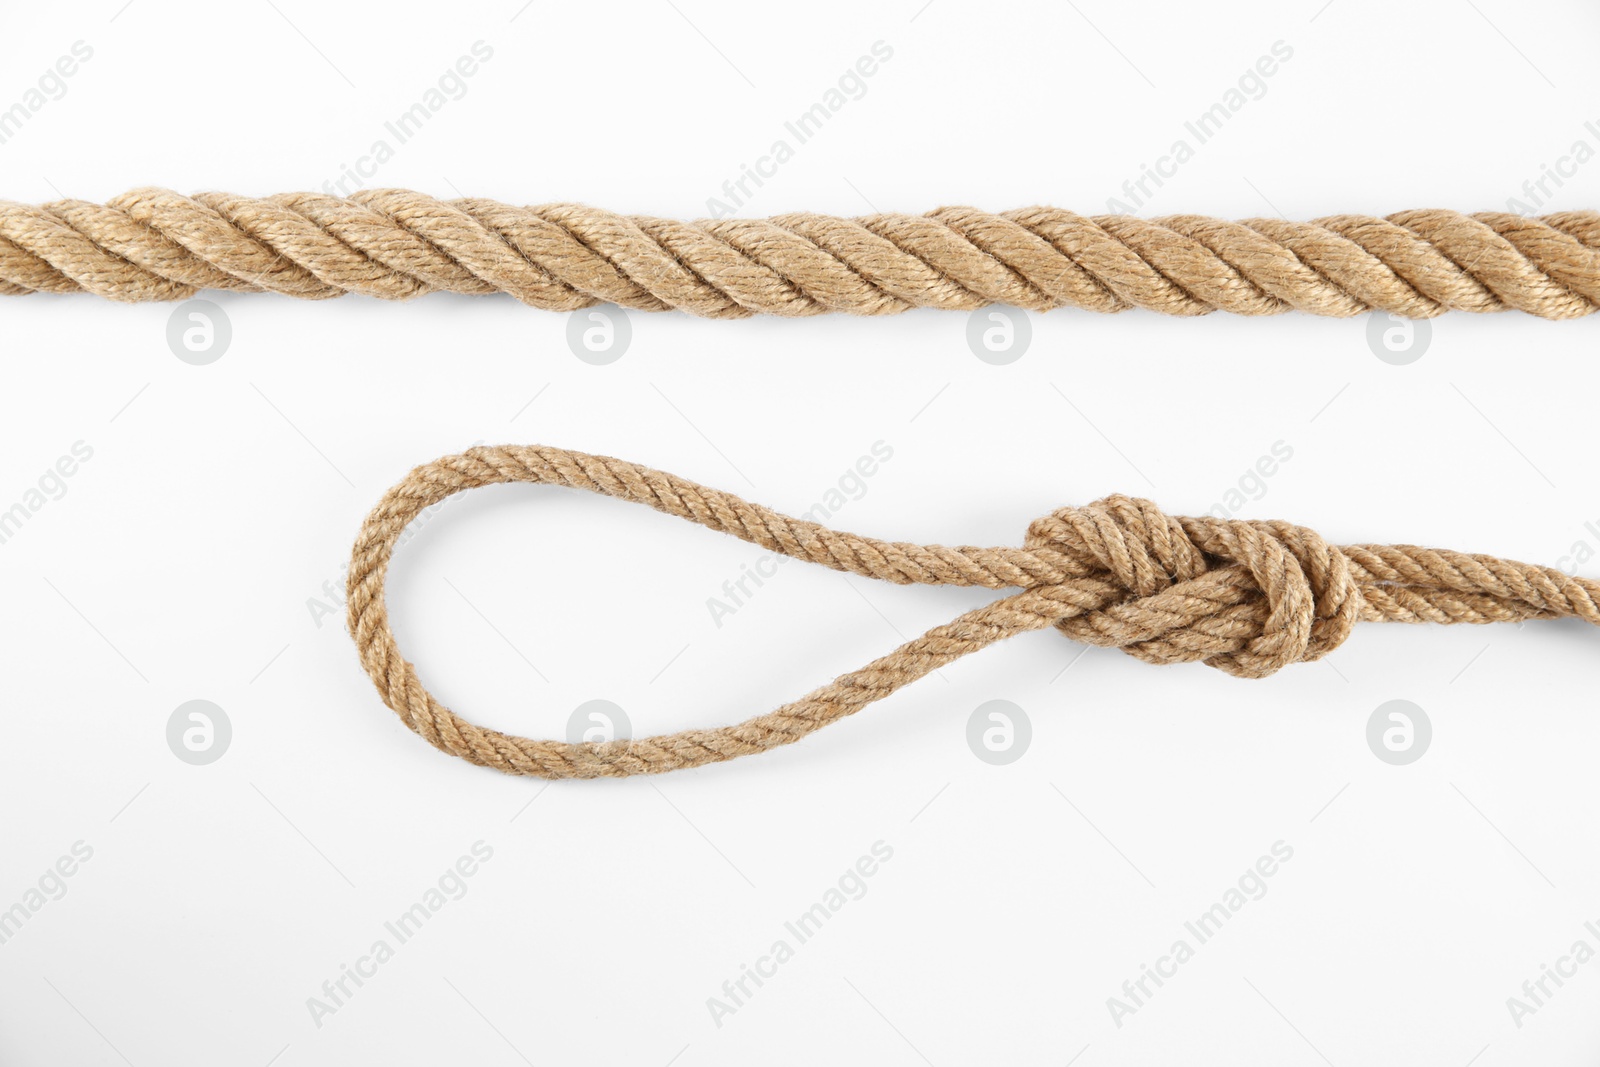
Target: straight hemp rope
(154, 244)
(1245, 597)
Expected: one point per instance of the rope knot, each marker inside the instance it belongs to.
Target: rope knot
(1245, 597)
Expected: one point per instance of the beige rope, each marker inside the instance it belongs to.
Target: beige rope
(1242, 596)
(153, 244)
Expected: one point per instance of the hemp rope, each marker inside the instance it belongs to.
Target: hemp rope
(154, 244)
(1246, 597)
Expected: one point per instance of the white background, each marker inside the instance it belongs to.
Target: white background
(219, 499)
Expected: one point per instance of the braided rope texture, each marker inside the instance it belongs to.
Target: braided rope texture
(154, 244)
(1246, 597)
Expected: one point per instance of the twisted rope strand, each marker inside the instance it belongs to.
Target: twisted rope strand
(1246, 597)
(154, 244)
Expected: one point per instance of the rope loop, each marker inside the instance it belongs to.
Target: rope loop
(1246, 597)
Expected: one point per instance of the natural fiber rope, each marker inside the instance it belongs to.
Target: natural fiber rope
(1242, 596)
(153, 244)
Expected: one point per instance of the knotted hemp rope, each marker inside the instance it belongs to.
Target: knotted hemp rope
(153, 244)
(1245, 597)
